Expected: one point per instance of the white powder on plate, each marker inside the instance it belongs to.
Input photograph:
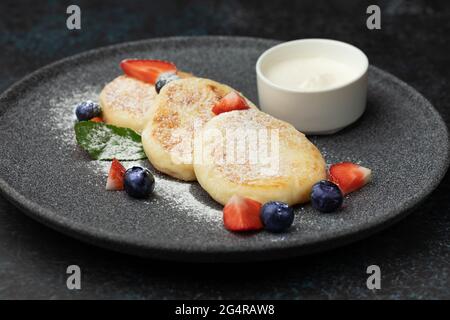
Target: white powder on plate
(113, 145)
(62, 112)
(168, 191)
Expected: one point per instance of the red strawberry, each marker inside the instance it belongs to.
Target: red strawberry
(146, 70)
(96, 119)
(349, 176)
(232, 101)
(242, 214)
(115, 176)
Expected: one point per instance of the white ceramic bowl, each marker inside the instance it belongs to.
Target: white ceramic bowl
(323, 111)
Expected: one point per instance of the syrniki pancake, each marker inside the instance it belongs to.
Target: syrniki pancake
(179, 112)
(252, 154)
(126, 100)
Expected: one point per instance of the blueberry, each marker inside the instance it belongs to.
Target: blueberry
(326, 196)
(139, 182)
(277, 216)
(87, 110)
(164, 79)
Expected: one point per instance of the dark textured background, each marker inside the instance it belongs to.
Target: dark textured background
(414, 255)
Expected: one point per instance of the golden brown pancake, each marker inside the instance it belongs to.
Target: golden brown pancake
(252, 154)
(181, 109)
(125, 101)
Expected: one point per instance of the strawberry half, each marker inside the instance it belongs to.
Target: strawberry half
(146, 70)
(115, 176)
(242, 214)
(232, 101)
(349, 176)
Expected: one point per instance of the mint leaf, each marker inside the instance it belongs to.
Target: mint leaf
(105, 142)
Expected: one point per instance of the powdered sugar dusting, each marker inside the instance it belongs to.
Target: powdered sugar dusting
(182, 198)
(178, 194)
(62, 112)
(110, 145)
(262, 153)
(129, 94)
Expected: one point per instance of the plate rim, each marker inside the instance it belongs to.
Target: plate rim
(131, 245)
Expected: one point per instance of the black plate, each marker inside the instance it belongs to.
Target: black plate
(401, 138)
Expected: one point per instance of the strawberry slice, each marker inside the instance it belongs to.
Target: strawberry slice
(115, 176)
(97, 119)
(349, 176)
(232, 101)
(242, 214)
(146, 70)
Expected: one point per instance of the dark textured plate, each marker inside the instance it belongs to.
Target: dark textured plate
(401, 138)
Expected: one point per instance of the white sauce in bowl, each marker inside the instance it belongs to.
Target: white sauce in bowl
(310, 74)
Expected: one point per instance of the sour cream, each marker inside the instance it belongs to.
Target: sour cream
(310, 74)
